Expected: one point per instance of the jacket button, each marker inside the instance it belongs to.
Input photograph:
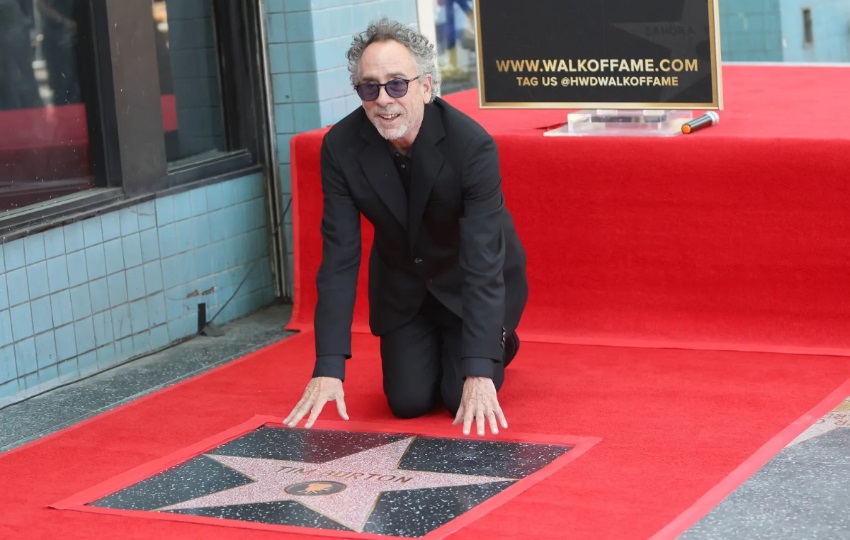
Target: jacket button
(417, 260)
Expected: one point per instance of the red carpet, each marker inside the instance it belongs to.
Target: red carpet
(727, 239)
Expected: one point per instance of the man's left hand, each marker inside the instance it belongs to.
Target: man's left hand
(479, 402)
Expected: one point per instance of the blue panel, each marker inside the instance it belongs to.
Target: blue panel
(66, 342)
(110, 226)
(42, 315)
(156, 309)
(164, 211)
(129, 220)
(106, 356)
(81, 301)
(13, 254)
(18, 287)
(60, 304)
(147, 215)
(114, 253)
(132, 245)
(84, 330)
(99, 294)
(135, 283)
(57, 273)
(117, 284)
(96, 261)
(121, 327)
(34, 248)
(149, 240)
(37, 279)
(87, 363)
(77, 273)
(54, 242)
(45, 350)
(21, 322)
(74, 237)
(102, 323)
(92, 231)
(25, 357)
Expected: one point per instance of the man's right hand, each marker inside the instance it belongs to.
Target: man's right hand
(319, 391)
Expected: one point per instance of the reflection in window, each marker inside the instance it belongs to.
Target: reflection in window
(189, 79)
(44, 148)
(455, 25)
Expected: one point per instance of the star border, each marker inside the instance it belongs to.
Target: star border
(81, 500)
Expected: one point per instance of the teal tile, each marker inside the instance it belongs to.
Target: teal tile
(129, 220)
(74, 237)
(66, 342)
(198, 198)
(302, 57)
(141, 343)
(124, 349)
(114, 255)
(4, 293)
(102, 323)
(282, 88)
(45, 350)
(182, 206)
(96, 261)
(304, 88)
(77, 273)
(110, 225)
(6, 327)
(168, 240)
(279, 58)
(276, 24)
(68, 370)
(87, 363)
(164, 211)
(106, 356)
(135, 283)
(18, 286)
(13, 254)
(283, 146)
(299, 27)
(117, 284)
(37, 280)
(149, 240)
(60, 305)
(9, 391)
(42, 315)
(274, 6)
(92, 231)
(121, 321)
(21, 321)
(200, 231)
(54, 242)
(156, 309)
(159, 337)
(81, 301)
(99, 294)
(153, 277)
(34, 248)
(84, 331)
(57, 273)
(307, 117)
(8, 369)
(132, 246)
(147, 215)
(284, 118)
(25, 357)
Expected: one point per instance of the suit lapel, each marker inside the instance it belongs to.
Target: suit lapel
(381, 172)
(427, 164)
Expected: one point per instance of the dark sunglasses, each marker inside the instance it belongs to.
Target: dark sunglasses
(396, 88)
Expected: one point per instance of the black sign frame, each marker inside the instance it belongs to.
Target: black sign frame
(602, 54)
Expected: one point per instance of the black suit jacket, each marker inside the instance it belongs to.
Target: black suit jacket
(452, 236)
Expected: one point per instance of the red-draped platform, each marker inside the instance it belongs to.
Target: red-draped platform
(735, 237)
(688, 307)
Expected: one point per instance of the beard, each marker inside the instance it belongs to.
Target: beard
(399, 128)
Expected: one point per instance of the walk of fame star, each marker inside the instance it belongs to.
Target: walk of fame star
(344, 490)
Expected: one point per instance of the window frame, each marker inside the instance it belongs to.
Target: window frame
(126, 137)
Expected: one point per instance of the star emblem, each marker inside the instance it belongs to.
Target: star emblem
(836, 419)
(344, 490)
(682, 38)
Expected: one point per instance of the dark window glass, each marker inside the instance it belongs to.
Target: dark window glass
(808, 35)
(44, 135)
(189, 79)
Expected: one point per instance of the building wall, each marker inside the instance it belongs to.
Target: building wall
(830, 29)
(750, 31)
(307, 42)
(82, 298)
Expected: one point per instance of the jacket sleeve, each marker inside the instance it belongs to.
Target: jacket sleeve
(336, 280)
(482, 254)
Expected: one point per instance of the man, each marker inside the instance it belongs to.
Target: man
(447, 279)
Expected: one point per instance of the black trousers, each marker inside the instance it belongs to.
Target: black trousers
(421, 362)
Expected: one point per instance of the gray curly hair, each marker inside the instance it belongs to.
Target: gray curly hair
(384, 29)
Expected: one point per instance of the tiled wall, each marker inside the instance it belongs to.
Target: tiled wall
(750, 31)
(81, 298)
(308, 40)
(830, 29)
(772, 30)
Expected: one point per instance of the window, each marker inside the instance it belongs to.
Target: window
(106, 101)
(808, 37)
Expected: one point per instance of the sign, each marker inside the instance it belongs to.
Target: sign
(604, 54)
